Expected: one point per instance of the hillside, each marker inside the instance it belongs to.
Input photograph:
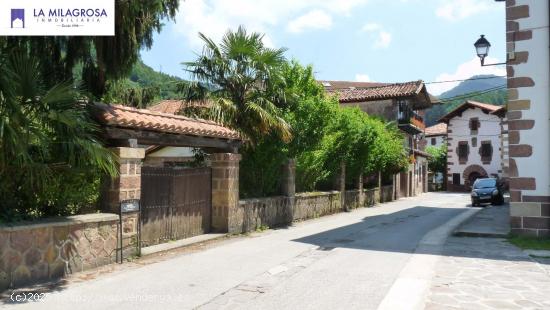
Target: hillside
(472, 89)
(146, 76)
(143, 87)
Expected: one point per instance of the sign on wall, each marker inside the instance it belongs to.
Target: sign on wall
(57, 18)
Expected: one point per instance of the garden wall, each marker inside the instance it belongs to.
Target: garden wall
(277, 211)
(52, 248)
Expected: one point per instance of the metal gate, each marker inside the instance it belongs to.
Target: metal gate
(175, 203)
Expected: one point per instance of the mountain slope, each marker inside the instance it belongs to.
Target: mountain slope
(473, 89)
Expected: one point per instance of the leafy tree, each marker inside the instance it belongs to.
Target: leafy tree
(438, 161)
(50, 159)
(100, 58)
(244, 80)
(308, 111)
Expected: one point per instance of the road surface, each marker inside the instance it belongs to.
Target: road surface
(344, 261)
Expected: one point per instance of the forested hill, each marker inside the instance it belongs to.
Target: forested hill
(146, 76)
(483, 88)
(143, 87)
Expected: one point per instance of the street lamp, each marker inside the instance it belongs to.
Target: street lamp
(482, 46)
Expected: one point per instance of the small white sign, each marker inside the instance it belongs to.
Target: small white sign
(57, 18)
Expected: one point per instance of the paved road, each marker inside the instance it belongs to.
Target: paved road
(345, 261)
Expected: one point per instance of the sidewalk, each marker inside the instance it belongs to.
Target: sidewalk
(488, 273)
(491, 221)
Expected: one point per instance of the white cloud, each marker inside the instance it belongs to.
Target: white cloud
(215, 17)
(454, 10)
(316, 19)
(382, 37)
(371, 27)
(464, 71)
(362, 78)
(383, 40)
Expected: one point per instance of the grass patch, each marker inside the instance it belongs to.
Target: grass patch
(530, 243)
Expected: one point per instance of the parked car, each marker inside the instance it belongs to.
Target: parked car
(487, 190)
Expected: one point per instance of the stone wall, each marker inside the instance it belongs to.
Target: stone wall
(527, 41)
(280, 210)
(316, 204)
(52, 248)
(264, 212)
(386, 193)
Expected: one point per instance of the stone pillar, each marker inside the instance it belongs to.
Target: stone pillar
(128, 183)
(288, 175)
(225, 192)
(288, 186)
(342, 186)
(380, 187)
(361, 196)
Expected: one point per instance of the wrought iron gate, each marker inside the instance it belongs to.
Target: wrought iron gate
(175, 203)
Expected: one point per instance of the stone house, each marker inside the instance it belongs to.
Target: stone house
(528, 68)
(474, 138)
(403, 103)
(435, 135)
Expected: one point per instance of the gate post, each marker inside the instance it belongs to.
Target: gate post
(288, 186)
(225, 192)
(127, 185)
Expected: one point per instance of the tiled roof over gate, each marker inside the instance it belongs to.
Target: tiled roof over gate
(141, 119)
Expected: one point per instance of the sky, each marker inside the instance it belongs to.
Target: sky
(354, 40)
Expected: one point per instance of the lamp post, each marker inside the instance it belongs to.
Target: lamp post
(482, 46)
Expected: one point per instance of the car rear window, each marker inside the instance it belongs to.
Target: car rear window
(484, 183)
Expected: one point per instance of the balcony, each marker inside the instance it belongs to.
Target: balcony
(410, 122)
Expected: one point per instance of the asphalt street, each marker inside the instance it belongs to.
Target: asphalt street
(344, 261)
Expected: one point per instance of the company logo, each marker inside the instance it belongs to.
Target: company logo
(57, 18)
(18, 18)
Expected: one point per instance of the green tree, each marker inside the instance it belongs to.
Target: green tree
(244, 81)
(100, 58)
(50, 159)
(438, 161)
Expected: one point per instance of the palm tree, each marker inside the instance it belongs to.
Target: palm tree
(244, 82)
(46, 136)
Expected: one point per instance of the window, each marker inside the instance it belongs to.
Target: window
(463, 151)
(486, 151)
(474, 142)
(433, 141)
(474, 124)
(456, 178)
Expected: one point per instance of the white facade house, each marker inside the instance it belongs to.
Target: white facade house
(474, 137)
(528, 60)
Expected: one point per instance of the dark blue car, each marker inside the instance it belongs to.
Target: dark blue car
(487, 190)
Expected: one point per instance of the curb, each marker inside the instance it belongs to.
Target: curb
(478, 234)
(410, 289)
(179, 244)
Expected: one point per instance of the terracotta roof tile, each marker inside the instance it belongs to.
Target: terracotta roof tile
(436, 130)
(379, 92)
(334, 85)
(485, 106)
(127, 117)
(490, 108)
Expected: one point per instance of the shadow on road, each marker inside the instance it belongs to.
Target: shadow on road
(401, 232)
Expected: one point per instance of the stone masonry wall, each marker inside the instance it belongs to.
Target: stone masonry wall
(52, 248)
(527, 41)
(280, 210)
